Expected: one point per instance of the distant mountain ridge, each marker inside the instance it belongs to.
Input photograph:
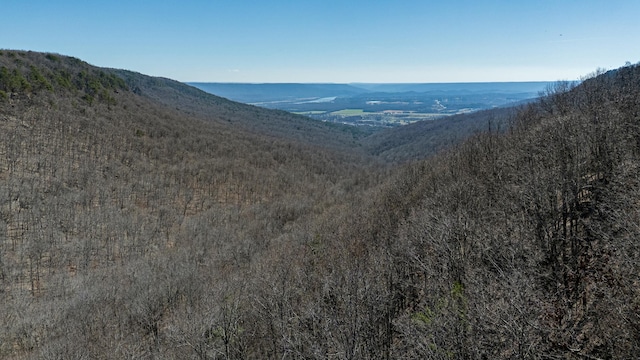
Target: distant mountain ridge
(379, 105)
(499, 86)
(256, 92)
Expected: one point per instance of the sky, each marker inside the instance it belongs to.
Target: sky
(333, 41)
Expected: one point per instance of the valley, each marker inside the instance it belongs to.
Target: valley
(144, 218)
(379, 105)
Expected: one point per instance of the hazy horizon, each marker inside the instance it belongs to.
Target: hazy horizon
(373, 83)
(333, 41)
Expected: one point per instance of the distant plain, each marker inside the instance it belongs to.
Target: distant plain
(380, 105)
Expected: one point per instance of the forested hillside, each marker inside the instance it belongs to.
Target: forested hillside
(425, 138)
(141, 218)
(522, 244)
(279, 124)
(127, 222)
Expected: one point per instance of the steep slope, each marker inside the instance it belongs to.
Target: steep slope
(514, 245)
(116, 207)
(274, 123)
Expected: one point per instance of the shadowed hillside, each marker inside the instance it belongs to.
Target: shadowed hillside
(141, 218)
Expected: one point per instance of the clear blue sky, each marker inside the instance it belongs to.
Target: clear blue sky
(334, 40)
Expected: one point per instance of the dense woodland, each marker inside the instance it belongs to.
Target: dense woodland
(143, 218)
